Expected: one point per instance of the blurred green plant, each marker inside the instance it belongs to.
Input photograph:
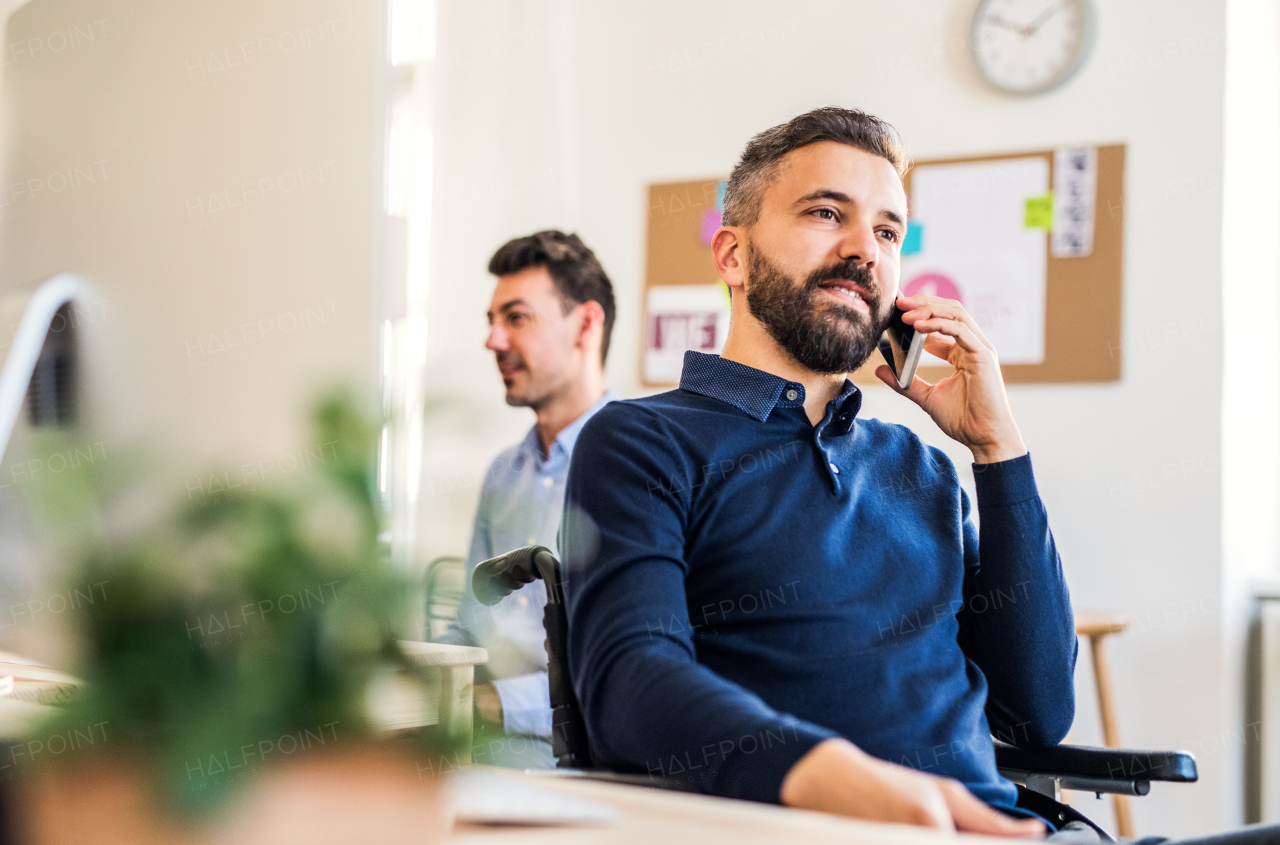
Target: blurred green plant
(238, 620)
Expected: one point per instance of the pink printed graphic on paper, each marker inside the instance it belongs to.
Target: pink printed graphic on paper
(933, 284)
(683, 331)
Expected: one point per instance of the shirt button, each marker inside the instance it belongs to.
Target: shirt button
(791, 394)
(834, 468)
(547, 482)
(533, 541)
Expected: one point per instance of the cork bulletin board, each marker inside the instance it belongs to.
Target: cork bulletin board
(1082, 294)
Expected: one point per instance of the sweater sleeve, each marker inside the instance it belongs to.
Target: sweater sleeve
(1016, 624)
(648, 705)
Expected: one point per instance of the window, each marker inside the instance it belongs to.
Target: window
(411, 42)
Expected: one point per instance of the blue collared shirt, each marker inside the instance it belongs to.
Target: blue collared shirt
(743, 584)
(520, 504)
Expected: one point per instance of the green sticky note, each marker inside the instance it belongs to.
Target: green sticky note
(1039, 212)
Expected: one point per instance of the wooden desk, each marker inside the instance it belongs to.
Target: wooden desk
(659, 817)
(398, 704)
(456, 665)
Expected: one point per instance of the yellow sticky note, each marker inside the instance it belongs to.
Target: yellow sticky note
(1039, 212)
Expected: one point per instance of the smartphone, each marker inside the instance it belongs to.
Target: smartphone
(901, 346)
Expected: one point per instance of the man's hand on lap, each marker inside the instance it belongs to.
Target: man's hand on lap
(488, 703)
(970, 405)
(837, 777)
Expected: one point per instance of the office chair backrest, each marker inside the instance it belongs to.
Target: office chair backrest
(499, 577)
(38, 361)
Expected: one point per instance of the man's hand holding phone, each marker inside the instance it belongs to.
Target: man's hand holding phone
(970, 405)
(901, 346)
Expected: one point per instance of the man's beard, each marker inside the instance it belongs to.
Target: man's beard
(824, 337)
(530, 398)
(540, 387)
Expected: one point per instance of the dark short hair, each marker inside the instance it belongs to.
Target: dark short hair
(762, 159)
(573, 267)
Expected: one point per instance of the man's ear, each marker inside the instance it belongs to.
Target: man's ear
(590, 325)
(729, 251)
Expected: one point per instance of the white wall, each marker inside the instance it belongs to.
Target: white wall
(560, 113)
(214, 171)
(231, 229)
(1251, 346)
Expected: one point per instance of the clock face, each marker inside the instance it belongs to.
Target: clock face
(1029, 46)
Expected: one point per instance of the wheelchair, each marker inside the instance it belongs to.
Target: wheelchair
(1041, 773)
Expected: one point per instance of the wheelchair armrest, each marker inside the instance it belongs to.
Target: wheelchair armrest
(1126, 771)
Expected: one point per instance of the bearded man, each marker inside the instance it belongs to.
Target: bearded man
(779, 601)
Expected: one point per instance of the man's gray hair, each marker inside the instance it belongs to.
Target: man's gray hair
(761, 161)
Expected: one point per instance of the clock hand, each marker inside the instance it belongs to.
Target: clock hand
(1009, 25)
(1043, 18)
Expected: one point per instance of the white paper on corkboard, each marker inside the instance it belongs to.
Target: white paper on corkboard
(679, 318)
(976, 246)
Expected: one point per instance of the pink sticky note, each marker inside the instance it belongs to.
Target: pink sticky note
(710, 222)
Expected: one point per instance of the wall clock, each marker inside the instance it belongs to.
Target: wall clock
(1031, 46)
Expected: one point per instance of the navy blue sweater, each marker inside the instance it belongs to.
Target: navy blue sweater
(742, 585)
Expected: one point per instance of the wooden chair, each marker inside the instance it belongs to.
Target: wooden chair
(445, 580)
(1097, 627)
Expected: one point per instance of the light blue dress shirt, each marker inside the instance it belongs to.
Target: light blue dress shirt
(520, 504)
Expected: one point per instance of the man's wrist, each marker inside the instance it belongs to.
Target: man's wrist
(1003, 450)
(807, 781)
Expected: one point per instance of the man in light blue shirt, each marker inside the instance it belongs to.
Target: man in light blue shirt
(550, 320)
